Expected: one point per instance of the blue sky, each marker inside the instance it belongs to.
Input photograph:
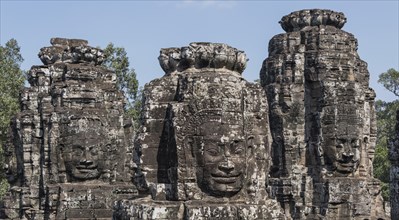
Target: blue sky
(143, 27)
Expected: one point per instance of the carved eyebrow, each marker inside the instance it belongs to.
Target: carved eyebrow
(213, 148)
(220, 144)
(237, 141)
(215, 139)
(77, 146)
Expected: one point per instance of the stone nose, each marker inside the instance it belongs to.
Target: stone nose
(86, 162)
(87, 154)
(348, 152)
(347, 155)
(226, 166)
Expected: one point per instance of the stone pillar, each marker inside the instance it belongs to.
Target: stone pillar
(322, 119)
(72, 154)
(394, 173)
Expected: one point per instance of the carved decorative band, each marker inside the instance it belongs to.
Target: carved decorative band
(314, 17)
(70, 51)
(202, 55)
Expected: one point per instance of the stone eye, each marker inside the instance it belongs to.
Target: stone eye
(239, 150)
(340, 146)
(213, 152)
(355, 143)
(94, 150)
(78, 152)
(110, 148)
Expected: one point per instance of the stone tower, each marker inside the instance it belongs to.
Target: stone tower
(322, 120)
(203, 149)
(71, 151)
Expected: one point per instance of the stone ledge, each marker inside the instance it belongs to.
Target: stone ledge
(151, 209)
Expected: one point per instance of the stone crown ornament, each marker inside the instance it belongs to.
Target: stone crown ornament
(70, 51)
(297, 20)
(202, 55)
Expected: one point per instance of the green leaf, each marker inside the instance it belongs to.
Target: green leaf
(126, 80)
(11, 82)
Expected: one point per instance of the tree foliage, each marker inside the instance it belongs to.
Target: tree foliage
(386, 119)
(11, 82)
(118, 61)
(390, 80)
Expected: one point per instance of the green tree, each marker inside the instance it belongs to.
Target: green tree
(386, 119)
(390, 80)
(11, 82)
(118, 61)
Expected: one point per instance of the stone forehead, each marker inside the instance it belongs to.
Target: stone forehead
(80, 123)
(217, 116)
(217, 122)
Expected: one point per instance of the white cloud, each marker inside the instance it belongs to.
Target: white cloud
(205, 4)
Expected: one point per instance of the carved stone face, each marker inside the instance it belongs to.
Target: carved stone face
(86, 152)
(344, 154)
(221, 158)
(83, 156)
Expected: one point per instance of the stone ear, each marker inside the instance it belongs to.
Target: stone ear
(190, 143)
(250, 144)
(61, 163)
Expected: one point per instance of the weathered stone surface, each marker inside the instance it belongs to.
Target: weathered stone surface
(211, 158)
(71, 140)
(314, 17)
(202, 55)
(70, 51)
(394, 172)
(205, 148)
(322, 120)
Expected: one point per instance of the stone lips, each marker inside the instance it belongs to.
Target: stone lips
(202, 55)
(70, 51)
(297, 20)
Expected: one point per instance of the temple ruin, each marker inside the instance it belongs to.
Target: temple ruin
(322, 120)
(211, 145)
(212, 150)
(72, 144)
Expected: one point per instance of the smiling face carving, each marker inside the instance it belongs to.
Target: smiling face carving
(83, 159)
(221, 157)
(343, 154)
(83, 156)
(347, 154)
(87, 151)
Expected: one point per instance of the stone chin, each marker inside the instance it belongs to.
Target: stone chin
(222, 185)
(347, 167)
(85, 174)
